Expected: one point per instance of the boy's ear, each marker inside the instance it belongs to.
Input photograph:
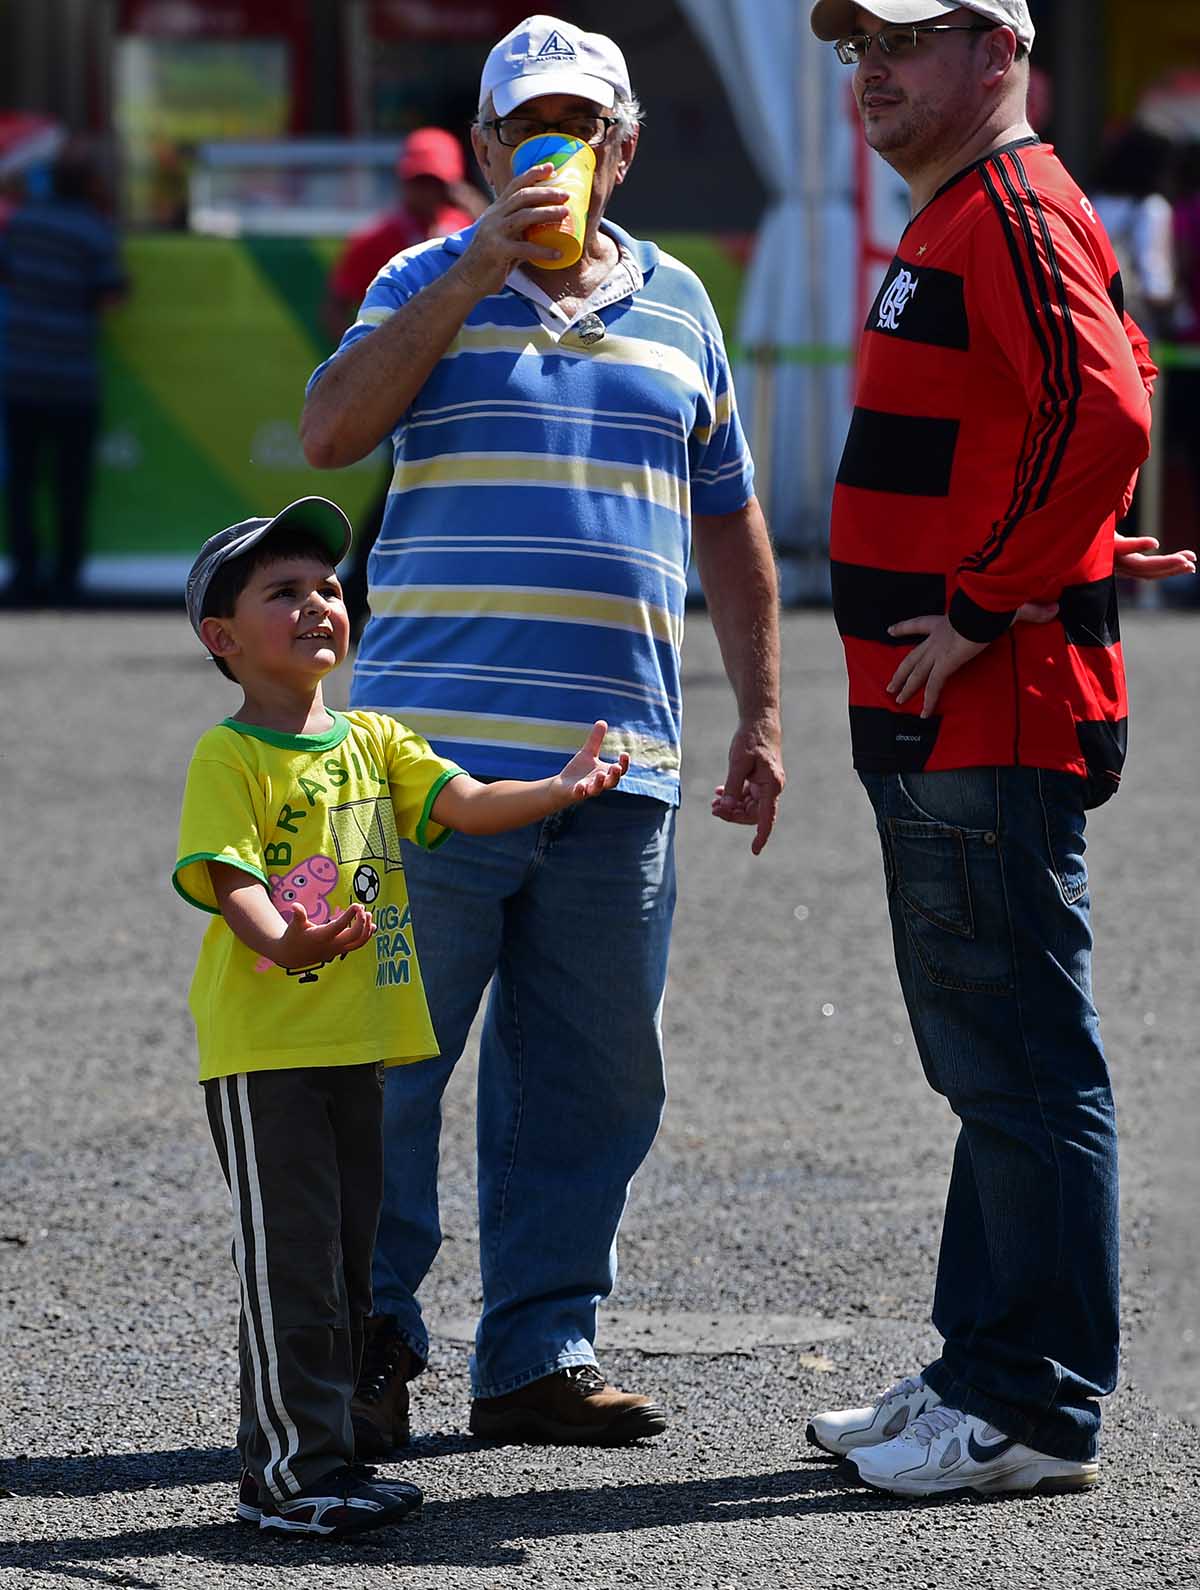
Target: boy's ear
(219, 637)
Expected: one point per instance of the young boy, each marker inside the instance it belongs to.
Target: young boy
(290, 835)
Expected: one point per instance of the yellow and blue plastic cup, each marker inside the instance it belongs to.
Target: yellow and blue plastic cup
(573, 162)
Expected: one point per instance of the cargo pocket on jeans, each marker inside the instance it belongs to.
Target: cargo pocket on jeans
(934, 864)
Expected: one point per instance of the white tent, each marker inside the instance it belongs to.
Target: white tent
(791, 98)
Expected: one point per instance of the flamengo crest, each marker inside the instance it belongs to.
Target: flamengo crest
(896, 300)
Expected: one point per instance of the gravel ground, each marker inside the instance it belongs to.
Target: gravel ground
(799, 1174)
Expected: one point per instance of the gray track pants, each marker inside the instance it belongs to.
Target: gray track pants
(302, 1152)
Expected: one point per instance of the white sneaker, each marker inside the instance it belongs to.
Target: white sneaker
(946, 1450)
(846, 1430)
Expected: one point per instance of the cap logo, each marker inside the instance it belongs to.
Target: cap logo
(556, 48)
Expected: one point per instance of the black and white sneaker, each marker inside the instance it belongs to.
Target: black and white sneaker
(946, 1450)
(847, 1429)
(338, 1504)
(249, 1504)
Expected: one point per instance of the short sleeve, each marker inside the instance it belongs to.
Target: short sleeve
(220, 822)
(722, 471)
(398, 281)
(416, 776)
(368, 252)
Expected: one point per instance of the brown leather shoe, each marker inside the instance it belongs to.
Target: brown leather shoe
(379, 1409)
(572, 1407)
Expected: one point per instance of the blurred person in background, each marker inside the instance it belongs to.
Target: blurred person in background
(564, 440)
(435, 200)
(1187, 244)
(61, 268)
(1131, 195)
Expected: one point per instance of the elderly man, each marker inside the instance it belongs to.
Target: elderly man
(562, 437)
(1002, 412)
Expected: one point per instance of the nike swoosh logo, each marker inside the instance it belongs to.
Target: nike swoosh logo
(985, 1454)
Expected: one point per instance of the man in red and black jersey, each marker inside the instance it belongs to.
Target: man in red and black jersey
(1002, 412)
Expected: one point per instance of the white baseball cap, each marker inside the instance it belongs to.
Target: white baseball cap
(834, 19)
(543, 55)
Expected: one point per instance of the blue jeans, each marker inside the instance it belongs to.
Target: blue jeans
(572, 918)
(987, 890)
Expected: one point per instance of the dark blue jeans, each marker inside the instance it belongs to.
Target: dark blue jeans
(987, 890)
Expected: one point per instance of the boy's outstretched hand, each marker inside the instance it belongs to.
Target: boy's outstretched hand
(252, 916)
(303, 944)
(473, 807)
(585, 774)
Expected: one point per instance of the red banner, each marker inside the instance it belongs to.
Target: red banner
(485, 20)
(214, 19)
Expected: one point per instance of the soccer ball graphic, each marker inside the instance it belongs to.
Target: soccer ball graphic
(365, 884)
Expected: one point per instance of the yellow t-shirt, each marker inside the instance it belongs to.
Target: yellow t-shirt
(317, 818)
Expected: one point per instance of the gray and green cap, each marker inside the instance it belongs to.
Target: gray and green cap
(317, 515)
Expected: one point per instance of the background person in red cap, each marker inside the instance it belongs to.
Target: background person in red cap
(1002, 411)
(435, 200)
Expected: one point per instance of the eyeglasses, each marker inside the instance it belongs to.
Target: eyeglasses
(513, 130)
(896, 41)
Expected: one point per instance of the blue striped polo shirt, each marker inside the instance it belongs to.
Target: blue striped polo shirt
(531, 571)
(58, 260)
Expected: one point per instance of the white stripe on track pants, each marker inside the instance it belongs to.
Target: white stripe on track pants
(302, 1152)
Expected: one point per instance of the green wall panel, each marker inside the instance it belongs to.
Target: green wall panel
(206, 364)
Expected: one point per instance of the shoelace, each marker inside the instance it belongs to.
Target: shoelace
(586, 1376)
(932, 1423)
(902, 1388)
(381, 1361)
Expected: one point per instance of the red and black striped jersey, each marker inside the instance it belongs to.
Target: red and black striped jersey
(1002, 410)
